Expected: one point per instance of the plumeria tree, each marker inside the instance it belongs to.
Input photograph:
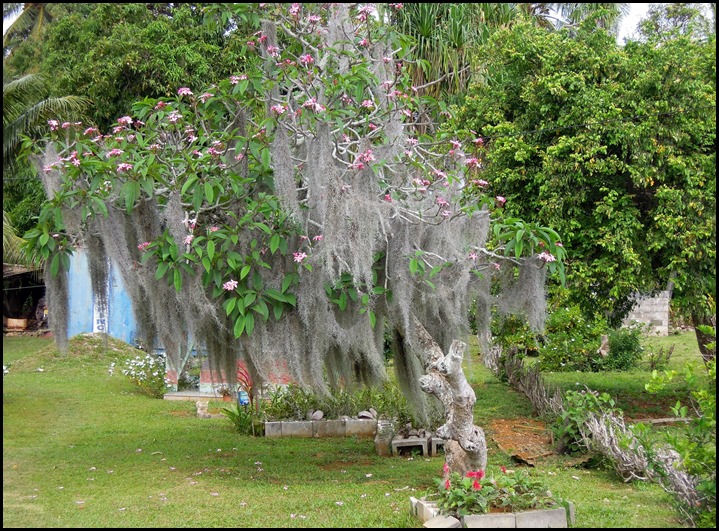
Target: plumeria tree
(295, 212)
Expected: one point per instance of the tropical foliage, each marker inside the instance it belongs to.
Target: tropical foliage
(615, 148)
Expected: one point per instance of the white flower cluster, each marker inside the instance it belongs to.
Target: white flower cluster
(146, 371)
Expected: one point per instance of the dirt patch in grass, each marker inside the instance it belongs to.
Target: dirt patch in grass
(525, 439)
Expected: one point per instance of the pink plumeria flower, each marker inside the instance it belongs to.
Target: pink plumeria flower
(114, 152)
(388, 198)
(546, 257)
(188, 239)
(184, 91)
(274, 51)
(230, 285)
(305, 60)
(205, 96)
(54, 124)
(143, 246)
(214, 229)
(298, 257)
(501, 200)
(123, 167)
(317, 238)
(473, 255)
(125, 120)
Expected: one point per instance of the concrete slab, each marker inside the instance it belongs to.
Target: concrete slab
(545, 518)
(328, 428)
(360, 428)
(273, 429)
(434, 444)
(297, 428)
(490, 521)
(446, 522)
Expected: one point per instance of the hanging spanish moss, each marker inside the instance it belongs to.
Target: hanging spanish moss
(368, 236)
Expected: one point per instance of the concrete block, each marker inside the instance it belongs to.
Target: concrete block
(572, 512)
(273, 429)
(542, 518)
(426, 510)
(328, 428)
(297, 428)
(360, 428)
(413, 505)
(490, 521)
(410, 442)
(442, 522)
(434, 444)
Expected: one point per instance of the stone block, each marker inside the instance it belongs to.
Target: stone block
(542, 518)
(426, 510)
(298, 428)
(442, 522)
(273, 429)
(360, 428)
(411, 442)
(572, 513)
(434, 444)
(490, 521)
(328, 428)
(413, 505)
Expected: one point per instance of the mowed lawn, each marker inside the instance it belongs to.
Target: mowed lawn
(82, 448)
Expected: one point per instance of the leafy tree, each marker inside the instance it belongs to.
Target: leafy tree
(129, 51)
(292, 196)
(614, 147)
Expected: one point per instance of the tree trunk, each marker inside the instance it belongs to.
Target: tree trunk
(703, 339)
(465, 444)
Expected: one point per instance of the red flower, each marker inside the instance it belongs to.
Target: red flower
(503, 469)
(447, 485)
(476, 485)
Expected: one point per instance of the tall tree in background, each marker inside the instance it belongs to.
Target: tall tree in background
(615, 147)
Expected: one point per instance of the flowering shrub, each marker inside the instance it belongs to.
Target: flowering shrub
(477, 493)
(148, 373)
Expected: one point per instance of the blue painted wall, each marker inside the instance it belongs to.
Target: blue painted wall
(119, 322)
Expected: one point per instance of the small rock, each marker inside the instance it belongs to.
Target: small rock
(413, 433)
(364, 415)
(317, 415)
(373, 411)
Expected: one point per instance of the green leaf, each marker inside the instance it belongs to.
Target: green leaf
(249, 323)
(161, 270)
(249, 298)
(209, 192)
(287, 281)
(264, 228)
(257, 281)
(274, 243)
(277, 310)
(342, 302)
(231, 303)
(239, 326)
(55, 264)
(261, 308)
(178, 280)
(372, 319)
(244, 272)
(211, 249)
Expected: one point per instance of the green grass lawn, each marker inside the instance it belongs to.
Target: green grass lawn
(82, 448)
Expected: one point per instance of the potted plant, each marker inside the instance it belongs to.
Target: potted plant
(225, 393)
(514, 493)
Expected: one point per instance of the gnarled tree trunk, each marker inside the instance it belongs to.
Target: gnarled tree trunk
(465, 446)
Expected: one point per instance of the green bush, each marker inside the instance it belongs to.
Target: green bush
(294, 403)
(578, 406)
(571, 341)
(696, 442)
(625, 349)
